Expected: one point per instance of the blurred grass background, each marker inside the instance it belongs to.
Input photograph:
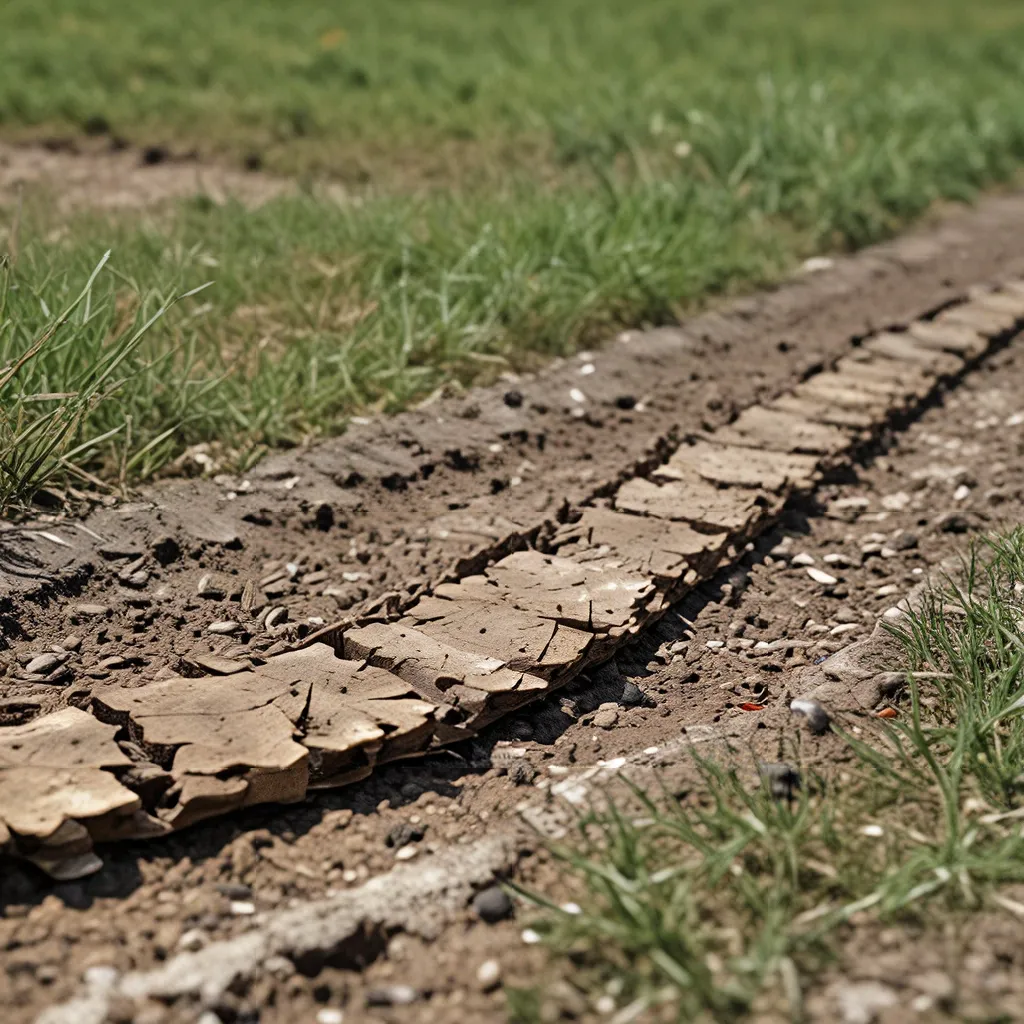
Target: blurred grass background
(521, 178)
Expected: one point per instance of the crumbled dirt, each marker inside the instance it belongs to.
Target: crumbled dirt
(135, 912)
(110, 177)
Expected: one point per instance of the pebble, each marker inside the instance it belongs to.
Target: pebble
(822, 577)
(114, 661)
(234, 890)
(207, 588)
(242, 908)
(802, 559)
(625, 402)
(893, 614)
(953, 523)
(863, 1001)
(632, 695)
(102, 976)
(577, 396)
(71, 643)
(403, 834)
(835, 558)
(44, 663)
(846, 627)
(392, 995)
(192, 940)
(136, 580)
(816, 715)
(896, 502)
(492, 904)
(225, 628)
(91, 610)
(407, 852)
(887, 591)
(962, 493)
(330, 1015)
(488, 975)
(530, 937)
(513, 399)
(606, 719)
(781, 779)
(904, 541)
(847, 508)
(714, 645)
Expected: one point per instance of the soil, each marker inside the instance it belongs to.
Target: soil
(396, 503)
(109, 176)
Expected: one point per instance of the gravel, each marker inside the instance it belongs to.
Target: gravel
(492, 904)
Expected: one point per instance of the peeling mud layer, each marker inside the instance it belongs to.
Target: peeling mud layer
(175, 722)
(124, 178)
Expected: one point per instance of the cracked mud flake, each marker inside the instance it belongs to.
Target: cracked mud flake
(943, 336)
(776, 430)
(52, 769)
(474, 617)
(654, 549)
(904, 349)
(589, 597)
(819, 410)
(696, 502)
(731, 466)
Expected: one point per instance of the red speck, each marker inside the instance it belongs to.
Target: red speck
(751, 707)
(886, 713)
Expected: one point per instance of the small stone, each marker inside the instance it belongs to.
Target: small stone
(488, 975)
(242, 908)
(846, 627)
(896, 502)
(577, 396)
(136, 580)
(207, 587)
(625, 402)
(192, 940)
(530, 937)
(953, 523)
(836, 558)
(714, 645)
(44, 663)
(863, 1001)
(887, 591)
(802, 559)
(847, 509)
(392, 995)
(224, 628)
(102, 976)
(71, 643)
(513, 399)
(404, 833)
(91, 610)
(816, 715)
(606, 719)
(492, 904)
(632, 695)
(822, 577)
(234, 890)
(962, 493)
(782, 780)
(114, 661)
(330, 1015)
(904, 541)
(407, 852)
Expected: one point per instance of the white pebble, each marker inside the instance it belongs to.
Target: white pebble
(847, 627)
(242, 908)
(892, 614)
(586, 369)
(329, 1015)
(101, 976)
(874, 831)
(714, 645)
(572, 908)
(897, 501)
(802, 559)
(650, 750)
(819, 576)
(406, 852)
(605, 1005)
(835, 558)
(961, 493)
(530, 937)
(887, 591)
(193, 939)
(1015, 420)
(222, 628)
(577, 396)
(488, 974)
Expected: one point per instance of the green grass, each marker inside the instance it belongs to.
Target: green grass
(730, 899)
(590, 166)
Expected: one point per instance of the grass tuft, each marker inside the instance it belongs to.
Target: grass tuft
(731, 900)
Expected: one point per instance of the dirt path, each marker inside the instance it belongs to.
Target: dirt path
(136, 912)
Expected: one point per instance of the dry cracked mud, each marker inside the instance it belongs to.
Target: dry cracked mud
(581, 584)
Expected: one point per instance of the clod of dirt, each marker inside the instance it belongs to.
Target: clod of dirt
(513, 399)
(492, 904)
(521, 772)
